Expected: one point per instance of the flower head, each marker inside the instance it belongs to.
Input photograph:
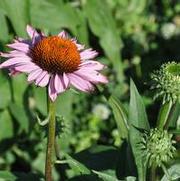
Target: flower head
(167, 82)
(54, 61)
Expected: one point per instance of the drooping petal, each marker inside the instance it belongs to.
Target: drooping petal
(88, 54)
(43, 79)
(66, 80)
(80, 83)
(51, 89)
(91, 64)
(92, 76)
(63, 34)
(59, 83)
(34, 74)
(14, 61)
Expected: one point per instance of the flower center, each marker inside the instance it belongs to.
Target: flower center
(56, 55)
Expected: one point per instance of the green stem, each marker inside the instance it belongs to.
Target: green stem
(172, 115)
(153, 173)
(50, 141)
(164, 114)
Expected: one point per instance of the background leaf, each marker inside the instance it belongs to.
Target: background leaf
(103, 26)
(6, 128)
(5, 93)
(19, 114)
(57, 16)
(18, 13)
(8, 176)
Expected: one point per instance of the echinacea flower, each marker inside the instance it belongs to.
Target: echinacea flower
(54, 61)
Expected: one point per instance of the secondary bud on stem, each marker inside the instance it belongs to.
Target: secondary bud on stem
(167, 82)
(158, 146)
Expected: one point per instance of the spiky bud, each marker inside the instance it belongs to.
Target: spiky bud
(158, 147)
(166, 81)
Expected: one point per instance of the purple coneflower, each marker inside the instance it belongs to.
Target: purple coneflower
(54, 61)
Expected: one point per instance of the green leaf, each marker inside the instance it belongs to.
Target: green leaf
(163, 114)
(5, 94)
(174, 115)
(177, 132)
(18, 111)
(58, 15)
(19, 84)
(18, 13)
(41, 99)
(4, 34)
(103, 25)
(174, 172)
(104, 176)
(130, 178)
(120, 116)
(7, 176)
(6, 128)
(64, 105)
(98, 157)
(82, 29)
(90, 177)
(76, 166)
(138, 119)
(137, 112)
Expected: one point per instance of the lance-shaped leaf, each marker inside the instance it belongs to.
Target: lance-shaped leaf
(137, 119)
(120, 116)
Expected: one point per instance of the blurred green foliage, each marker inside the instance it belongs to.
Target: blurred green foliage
(133, 38)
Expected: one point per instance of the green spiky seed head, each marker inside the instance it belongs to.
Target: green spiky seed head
(158, 146)
(166, 81)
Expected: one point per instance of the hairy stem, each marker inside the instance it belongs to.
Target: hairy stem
(50, 141)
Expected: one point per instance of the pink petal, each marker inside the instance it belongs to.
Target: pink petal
(20, 46)
(90, 64)
(13, 53)
(14, 61)
(51, 90)
(59, 83)
(63, 34)
(42, 79)
(31, 31)
(66, 80)
(80, 83)
(35, 36)
(79, 46)
(34, 74)
(92, 76)
(27, 68)
(88, 54)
